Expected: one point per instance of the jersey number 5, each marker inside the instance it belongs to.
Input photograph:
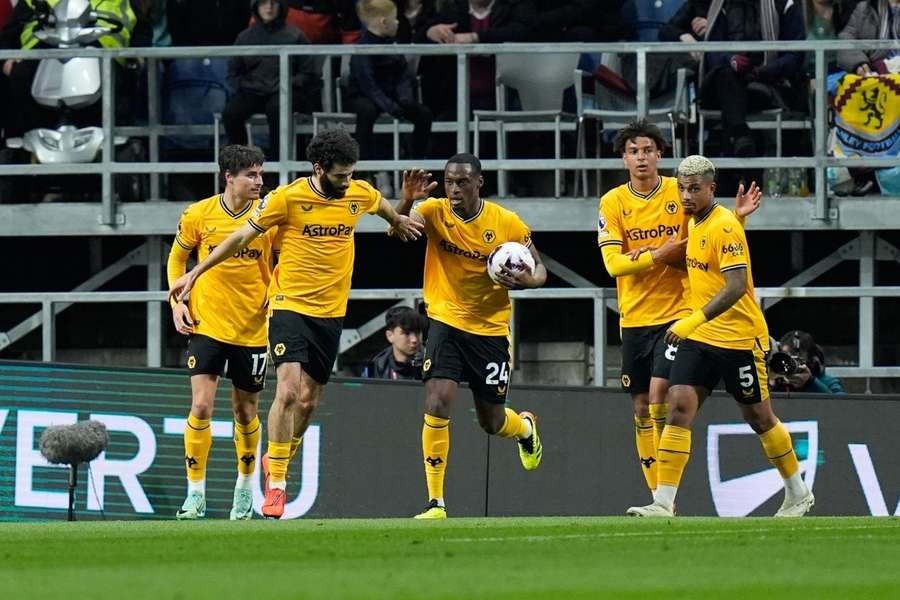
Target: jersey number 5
(497, 372)
(746, 376)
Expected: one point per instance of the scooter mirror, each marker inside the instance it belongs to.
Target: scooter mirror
(14, 143)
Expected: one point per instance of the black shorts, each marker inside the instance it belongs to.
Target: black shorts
(480, 360)
(311, 341)
(245, 366)
(703, 365)
(645, 354)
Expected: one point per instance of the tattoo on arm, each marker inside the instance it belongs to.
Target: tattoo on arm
(735, 286)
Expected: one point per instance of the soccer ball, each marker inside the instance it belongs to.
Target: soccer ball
(512, 255)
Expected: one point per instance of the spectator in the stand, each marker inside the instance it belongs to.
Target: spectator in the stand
(384, 84)
(726, 75)
(871, 20)
(402, 359)
(255, 78)
(206, 22)
(471, 22)
(19, 34)
(798, 365)
(414, 16)
(824, 20)
(325, 21)
(578, 21)
(151, 28)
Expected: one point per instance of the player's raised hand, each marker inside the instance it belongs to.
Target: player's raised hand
(671, 252)
(182, 286)
(181, 315)
(417, 185)
(746, 203)
(408, 230)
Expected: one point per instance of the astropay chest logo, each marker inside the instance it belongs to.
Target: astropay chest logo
(740, 496)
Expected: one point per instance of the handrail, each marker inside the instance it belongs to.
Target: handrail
(108, 165)
(456, 49)
(598, 296)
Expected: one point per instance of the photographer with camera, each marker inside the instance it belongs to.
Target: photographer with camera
(798, 365)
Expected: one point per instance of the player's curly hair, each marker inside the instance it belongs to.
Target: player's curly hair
(332, 147)
(636, 129)
(234, 158)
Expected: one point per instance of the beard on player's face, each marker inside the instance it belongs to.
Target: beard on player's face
(335, 182)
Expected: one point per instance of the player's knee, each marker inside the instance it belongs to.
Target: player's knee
(243, 412)
(641, 404)
(491, 423)
(202, 407)
(437, 404)
(287, 396)
(761, 422)
(678, 413)
(308, 401)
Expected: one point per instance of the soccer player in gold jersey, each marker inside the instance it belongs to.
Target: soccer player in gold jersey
(723, 337)
(468, 338)
(316, 217)
(226, 321)
(642, 233)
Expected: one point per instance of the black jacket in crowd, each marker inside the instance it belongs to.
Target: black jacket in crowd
(386, 79)
(385, 366)
(259, 74)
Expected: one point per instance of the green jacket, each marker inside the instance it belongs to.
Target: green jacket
(117, 11)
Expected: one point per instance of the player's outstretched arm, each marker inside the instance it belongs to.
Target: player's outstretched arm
(617, 264)
(401, 226)
(234, 242)
(735, 287)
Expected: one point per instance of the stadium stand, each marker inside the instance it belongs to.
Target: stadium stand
(807, 233)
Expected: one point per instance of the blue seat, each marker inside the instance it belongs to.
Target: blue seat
(647, 16)
(193, 90)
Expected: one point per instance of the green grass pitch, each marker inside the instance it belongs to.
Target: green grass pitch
(499, 558)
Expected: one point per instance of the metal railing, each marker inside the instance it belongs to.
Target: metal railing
(108, 166)
(598, 296)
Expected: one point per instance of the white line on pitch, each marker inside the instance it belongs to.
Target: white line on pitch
(626, 534)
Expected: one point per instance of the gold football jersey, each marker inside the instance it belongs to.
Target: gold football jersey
(716, 244)
(315, 264)
(457, 288)
(631, 220)
(228, 302)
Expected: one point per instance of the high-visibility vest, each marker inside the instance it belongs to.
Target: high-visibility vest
(114, 11)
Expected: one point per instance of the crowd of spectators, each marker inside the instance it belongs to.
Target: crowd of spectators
(423, 89)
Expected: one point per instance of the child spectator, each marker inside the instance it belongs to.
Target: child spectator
(384, 84)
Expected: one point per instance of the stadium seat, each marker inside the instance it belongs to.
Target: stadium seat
(193, 90)
(347, 120)
(540, 80)
(614, 110)
(645, 17)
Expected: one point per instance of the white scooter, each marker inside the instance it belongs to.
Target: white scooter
(66, 84)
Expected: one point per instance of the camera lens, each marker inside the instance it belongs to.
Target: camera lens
(782, 363)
